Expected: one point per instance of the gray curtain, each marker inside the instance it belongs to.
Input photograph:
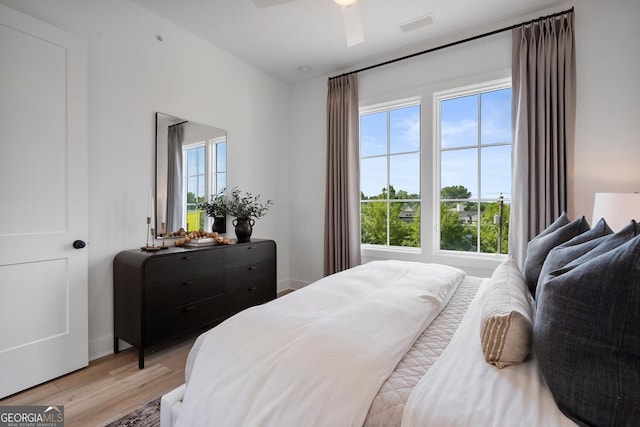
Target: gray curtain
(342, 209)
(175, 180)
(543, 118)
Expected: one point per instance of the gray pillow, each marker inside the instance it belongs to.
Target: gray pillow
(566, 252)
(607, 243)
(587, 339)
(539, 247)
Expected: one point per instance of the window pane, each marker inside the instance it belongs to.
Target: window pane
(405, 176)
(201, 159)
(221, 157)
(200, 190)
(192, 161)
(460, 168)
(192, 188)
(496, 172)
(373, 177)
(373, 134)
(496, 116)
(405, 129)
(404, 224)
(494, 227)
(221, 182)
(373, 223)
(457, 233)
(459, 122)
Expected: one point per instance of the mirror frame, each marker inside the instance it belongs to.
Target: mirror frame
(198, 132)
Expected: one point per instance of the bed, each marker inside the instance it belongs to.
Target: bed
(394, 343)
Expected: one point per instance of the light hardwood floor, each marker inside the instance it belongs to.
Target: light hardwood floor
(110, 387)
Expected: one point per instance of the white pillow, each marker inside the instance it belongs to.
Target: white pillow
(506, 325)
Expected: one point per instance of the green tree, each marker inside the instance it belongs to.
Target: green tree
(454, 234)
(455, 192)
(403, 219)
(373, 223)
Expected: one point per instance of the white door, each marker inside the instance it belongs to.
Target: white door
(43, 202)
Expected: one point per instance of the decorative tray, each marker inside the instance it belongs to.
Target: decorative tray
(200, 242)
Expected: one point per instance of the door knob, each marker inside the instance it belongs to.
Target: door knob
(79, 244)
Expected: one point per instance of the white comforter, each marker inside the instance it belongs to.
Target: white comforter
(319, 355)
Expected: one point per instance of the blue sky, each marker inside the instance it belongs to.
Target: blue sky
(459, 130)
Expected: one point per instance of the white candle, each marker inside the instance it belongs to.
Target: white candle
(151, 213)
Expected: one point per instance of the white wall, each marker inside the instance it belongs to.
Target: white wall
(131, 76)
(607, 124)
(608, 98)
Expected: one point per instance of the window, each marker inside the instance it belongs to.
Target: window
(199, 158)
(473, 132)
(390, 175)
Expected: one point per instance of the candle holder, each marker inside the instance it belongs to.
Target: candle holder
(150, 231)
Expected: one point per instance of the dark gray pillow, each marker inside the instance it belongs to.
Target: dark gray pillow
(607, 243)
(587, 338)
(566, 252)
(538, 248)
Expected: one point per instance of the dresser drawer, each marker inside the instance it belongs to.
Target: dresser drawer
(182, 266)
(175, 294)
(183, 319)
(248, 254)
(249, 275)
(247, 296)
(181, 291)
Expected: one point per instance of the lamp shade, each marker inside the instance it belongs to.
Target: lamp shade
(345, 2)
(617, 209)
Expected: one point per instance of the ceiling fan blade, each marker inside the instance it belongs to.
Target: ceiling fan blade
(352, 24)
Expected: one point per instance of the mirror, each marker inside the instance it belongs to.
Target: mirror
(191, 164)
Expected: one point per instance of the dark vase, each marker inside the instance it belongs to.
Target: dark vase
(244, 228)
(219, 224)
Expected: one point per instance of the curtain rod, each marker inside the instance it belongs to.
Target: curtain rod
(177, 124)
(433, 49)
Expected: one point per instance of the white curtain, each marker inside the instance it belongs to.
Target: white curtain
(342, 210)
(175, 182)
(543, 119)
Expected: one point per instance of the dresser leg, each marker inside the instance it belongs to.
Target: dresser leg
(141, 358)
(116, 349)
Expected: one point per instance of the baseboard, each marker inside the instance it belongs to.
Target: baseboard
(103, 346)
(297, 284)
(284, 292)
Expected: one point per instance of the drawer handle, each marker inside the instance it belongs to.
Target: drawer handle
(189, 283)
(253, 288)
(189, 308)
(252, 268)
(250, 247)
(188, 257)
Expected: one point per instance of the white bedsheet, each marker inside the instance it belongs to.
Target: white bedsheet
(461, 389)
(319, 355)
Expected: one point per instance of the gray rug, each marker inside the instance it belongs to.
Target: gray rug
(145, 416)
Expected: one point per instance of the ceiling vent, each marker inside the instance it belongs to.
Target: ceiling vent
(261, 4)
(414, 24)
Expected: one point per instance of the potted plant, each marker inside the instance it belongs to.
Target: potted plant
(246, 208)
(216, 208)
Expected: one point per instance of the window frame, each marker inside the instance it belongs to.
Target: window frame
(438, 97)
(387, 106)
(210, 171)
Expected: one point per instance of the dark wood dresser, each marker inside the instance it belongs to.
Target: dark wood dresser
(179, 291)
